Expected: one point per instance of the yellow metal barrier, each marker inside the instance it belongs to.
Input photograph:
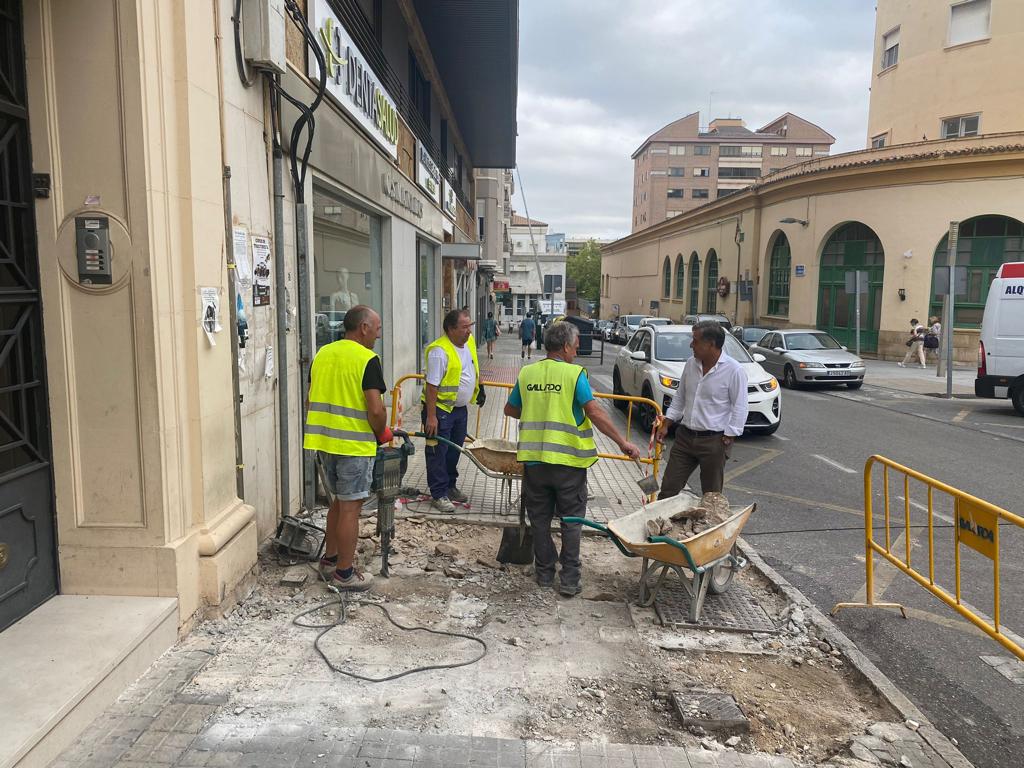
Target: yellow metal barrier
(396, 394)
(975, 525)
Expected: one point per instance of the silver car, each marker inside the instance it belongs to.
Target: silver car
(808, 356)
(625, 327)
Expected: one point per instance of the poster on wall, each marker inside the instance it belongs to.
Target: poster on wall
(260, 271)
(240, 251)
(210, 312)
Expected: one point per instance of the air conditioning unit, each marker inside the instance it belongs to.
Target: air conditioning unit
(263, 34)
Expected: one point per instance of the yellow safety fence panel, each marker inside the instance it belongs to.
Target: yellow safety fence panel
(655, 447)
(975, 526)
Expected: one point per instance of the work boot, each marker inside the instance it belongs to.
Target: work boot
(569, 590)
(356, 582)
(457, 496)
(444, 504)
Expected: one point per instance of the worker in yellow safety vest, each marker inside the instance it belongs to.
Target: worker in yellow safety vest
(452, 383)
(345, 421)
(557, 413)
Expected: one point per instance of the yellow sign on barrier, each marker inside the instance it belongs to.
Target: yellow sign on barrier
(978, 528)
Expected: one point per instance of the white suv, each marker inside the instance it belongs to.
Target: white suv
(652, 362)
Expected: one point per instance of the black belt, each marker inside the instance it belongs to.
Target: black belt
(699, 432)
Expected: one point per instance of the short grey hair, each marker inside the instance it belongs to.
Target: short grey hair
(560, 335)
(711, 330)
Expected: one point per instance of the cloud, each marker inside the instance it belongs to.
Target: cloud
(599, 76)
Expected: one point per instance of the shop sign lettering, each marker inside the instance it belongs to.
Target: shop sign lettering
(401, 194)
(428, 175)
(448, 203)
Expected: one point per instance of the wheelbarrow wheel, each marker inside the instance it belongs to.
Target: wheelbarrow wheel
(721, 578)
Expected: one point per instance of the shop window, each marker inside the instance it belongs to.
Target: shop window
(346, 263)
(427, 257)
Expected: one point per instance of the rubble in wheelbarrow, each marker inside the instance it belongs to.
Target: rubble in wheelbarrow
(712, 510)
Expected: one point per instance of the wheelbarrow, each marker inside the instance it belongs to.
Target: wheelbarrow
(710, 557)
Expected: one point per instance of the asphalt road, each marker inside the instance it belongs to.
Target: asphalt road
(807, 480)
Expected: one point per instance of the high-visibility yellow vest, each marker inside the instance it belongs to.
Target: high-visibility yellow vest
(547, 426)
(448, 389)
(337, 420)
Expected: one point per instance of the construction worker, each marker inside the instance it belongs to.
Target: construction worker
(557, 410)
(452, 383)
(345, 420)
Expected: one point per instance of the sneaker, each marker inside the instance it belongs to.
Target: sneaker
(457, 496)
(357, 582)
(923, 365)
(569, 590)
(326, 569)
(900, 364)
(443, 504)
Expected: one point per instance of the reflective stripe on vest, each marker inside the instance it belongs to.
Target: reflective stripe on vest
(336, 421)
(547, 429)
(448, 389)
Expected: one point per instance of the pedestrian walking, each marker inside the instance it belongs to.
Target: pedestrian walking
(491, 334)
(557, 413)
(452, 383)
(933, 336)
(915, 344)
(526, 331)
(539, 331)
(345, 420)
(709, 408)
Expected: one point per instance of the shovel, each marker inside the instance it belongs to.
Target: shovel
(649, 484)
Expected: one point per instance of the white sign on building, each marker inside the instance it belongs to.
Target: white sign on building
(428, 176)
(448, 204)
(350, 81)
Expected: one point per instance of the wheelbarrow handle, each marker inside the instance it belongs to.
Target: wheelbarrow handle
(603, 529)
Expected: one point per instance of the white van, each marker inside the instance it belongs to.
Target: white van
(1001, 348)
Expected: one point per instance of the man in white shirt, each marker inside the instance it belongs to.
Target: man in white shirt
(710, 409)
(452, 383)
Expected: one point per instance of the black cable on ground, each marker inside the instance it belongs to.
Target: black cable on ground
(343, 617)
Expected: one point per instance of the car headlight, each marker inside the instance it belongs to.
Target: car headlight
(668, 382)
(769, 386)
(812, 365)
(858, 364)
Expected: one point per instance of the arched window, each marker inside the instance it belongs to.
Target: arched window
(984, 244)
(778, 277)
(680, 282)
(711, 298)
(694, 282)
(666, 278)
(854, 246)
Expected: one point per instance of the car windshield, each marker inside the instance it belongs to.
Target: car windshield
(631, 319)
(808, 342)
(657, 321)
(675, 348)
(754, 334)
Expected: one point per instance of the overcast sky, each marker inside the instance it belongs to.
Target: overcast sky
(596, 77)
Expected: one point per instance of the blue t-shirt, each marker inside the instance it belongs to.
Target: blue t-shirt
(526, 329)
(583, 395)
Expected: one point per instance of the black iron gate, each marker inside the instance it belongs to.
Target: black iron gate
(28, 567)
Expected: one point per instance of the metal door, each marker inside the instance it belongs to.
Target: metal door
(852, 247)
(28, 565)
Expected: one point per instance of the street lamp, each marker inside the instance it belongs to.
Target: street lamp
(791, 220)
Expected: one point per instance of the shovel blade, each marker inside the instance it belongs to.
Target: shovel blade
(648, 485)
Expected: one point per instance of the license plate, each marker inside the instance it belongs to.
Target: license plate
(839, 372)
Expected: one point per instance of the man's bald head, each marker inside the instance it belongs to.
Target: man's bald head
(362, 324)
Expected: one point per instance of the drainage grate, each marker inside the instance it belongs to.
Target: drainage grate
(735, 611)
(711, 710)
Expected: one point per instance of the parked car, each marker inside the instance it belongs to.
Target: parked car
(1001, 346)
(652, 362)
(750, 334)
(649, 321)
(625, 326)
(808, 356)
(722, 320)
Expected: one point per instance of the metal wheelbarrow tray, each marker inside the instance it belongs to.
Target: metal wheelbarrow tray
(710, 557)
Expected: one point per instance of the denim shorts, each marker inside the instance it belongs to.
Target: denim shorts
(349, 477)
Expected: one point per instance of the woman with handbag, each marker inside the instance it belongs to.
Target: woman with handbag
(916, 344)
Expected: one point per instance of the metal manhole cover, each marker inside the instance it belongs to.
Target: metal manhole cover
(735, 611)
(711, 710)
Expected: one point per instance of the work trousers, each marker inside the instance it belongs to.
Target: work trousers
(549, 491)
(442, 459)
(689, 452)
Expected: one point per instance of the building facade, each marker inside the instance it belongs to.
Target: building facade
(536, 270)
(494, 189)
(683, 166)
(945, 70)
(175, 266)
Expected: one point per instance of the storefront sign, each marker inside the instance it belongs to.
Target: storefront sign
(401, 194)
(350, 82)
(428, 176)
(500, 285)
(448, 204)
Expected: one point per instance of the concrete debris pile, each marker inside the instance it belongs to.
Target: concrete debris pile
(712, 510)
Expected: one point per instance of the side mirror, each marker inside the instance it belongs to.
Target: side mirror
(844, 348)
(759, 358)
(637, 354)
(778, 349)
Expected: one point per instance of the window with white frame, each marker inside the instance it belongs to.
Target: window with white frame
(658, 150)
(877, 142)
(702, 172)
(890, 48)
(672, 214)
(804, 152)
(677, 149)
(780, 151)
(731, 150)
(969, 21)
(957, 127)
(675, 192)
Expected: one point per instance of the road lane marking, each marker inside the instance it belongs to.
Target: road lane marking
(835, 464)
(1004, 426)
(962, 415)
(924, 508)
(764, 458)
(813, 504)
(780, 437)
(885, 572)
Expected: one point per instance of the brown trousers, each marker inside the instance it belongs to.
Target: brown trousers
(689, 452)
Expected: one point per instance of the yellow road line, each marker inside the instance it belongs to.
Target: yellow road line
(764, 458)
(961, 416)
(798, 500)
